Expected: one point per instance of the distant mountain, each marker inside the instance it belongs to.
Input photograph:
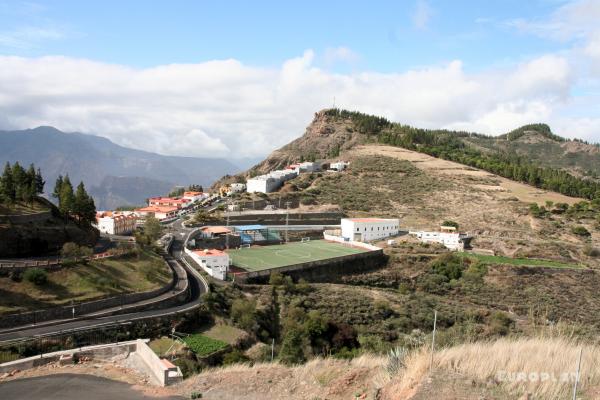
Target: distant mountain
(538, 144)
(114, 174)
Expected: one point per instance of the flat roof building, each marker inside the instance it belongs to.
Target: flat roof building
(368, 229)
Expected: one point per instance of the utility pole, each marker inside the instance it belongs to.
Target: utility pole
(287, 219)
(227, 233)
(433, 340)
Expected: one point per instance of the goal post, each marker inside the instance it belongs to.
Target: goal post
(304, 240)
(245, 246)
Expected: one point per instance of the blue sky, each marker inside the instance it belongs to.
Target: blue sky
(157, 70)
(385, 35)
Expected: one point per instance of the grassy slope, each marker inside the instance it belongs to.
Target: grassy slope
(79, 283)
(531, 262)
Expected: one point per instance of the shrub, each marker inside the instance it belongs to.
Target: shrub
(235, 357)
(36, 276)
(591, 251)
(580, 230)
(448, 265)
(500, 323)
(243, 313)
(450, 223)
(396, 361)
(188, 367)
(292, 347)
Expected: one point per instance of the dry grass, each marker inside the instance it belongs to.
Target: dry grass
(505, 187)
(544, 368)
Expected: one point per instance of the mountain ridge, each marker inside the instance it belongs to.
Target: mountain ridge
(92, 158)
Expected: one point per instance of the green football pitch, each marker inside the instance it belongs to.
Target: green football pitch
(260, 258)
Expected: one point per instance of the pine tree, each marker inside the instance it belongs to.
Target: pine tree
(19, 178)
(83, 206)
(66, 200)
(7, 187)
(57, 187)
(39, 182)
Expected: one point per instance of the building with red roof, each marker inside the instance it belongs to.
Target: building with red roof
(168, 202)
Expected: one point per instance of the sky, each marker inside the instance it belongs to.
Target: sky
(239, 79)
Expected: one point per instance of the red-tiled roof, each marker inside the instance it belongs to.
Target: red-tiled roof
(216, 229)
(210, 252)
(164, 209)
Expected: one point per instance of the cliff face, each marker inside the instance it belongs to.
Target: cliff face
(324, 137)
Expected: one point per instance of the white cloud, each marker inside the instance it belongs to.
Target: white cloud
(340, 54)
(226, 108)
(422, 14)
(27, 37)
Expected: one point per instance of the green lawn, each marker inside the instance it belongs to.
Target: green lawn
(163, 345)
(530, 262)
(203, 345)
(98, 279)
(260, 258)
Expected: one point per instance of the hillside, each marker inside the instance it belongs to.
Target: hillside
(424, 190)
(537, 143)
(38, 230)
(107, 169)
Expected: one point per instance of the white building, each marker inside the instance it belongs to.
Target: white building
(269, 182)
(159, 212)
(306, 166)
(214, 262)
(194, 196)
(115, 223)
(446, 236)
(236, 188)
(367, 229)
(339, 166)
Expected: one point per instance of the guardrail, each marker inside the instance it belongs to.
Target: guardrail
(119, 304)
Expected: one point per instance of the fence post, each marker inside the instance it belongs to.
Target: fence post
(272, 349)
(577, 374)
(433, 340)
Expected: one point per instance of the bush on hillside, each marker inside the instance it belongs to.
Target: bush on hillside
(36, 276)
(580, 230)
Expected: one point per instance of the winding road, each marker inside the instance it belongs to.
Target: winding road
(197, 285)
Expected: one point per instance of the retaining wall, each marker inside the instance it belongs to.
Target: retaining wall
(278, 218)
(162, 373)
(104, 351)
(178, 282)
(348, 263)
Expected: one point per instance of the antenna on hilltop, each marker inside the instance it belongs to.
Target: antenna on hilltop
(333, 102)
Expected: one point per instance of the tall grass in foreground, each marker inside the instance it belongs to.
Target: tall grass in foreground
(543, 367)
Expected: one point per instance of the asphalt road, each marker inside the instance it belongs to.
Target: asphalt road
(197, 287)
(71, 387)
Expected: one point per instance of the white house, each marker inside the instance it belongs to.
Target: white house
(237, 188)
(306, 166)
(214, 262)
(339, 166)
(446, 236)
(367, 229)
(262, 184)
(194, 196)
(115, 223)
(159, 212)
